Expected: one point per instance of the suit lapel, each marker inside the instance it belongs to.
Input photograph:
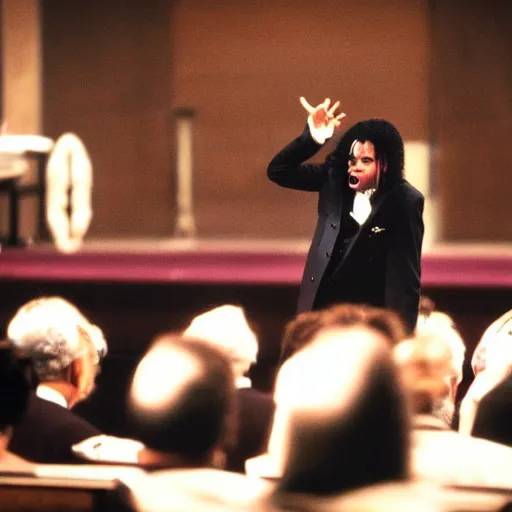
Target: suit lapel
(363, 229)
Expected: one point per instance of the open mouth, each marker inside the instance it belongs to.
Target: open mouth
(353, 180)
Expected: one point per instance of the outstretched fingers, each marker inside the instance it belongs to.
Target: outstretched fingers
(304, 102)
(338, 118)
(324, 113)
(333, 109)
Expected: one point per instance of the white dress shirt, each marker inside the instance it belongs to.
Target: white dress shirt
(47, 393)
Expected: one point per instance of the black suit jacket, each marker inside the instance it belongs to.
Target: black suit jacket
(48, 431)
(493, 419)
(255, 413)
(382, 265)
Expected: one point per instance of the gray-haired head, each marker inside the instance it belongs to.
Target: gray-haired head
(54, 333)
(226, 328)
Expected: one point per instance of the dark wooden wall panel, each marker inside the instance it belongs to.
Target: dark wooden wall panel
(107, 78)
(472, 117)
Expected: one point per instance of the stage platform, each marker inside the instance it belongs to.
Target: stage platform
(258, 262)
(135, 289)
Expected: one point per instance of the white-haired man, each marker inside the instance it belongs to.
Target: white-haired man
(439, 453)
(486, 410)
(226, 328)
(65, 349)
(441, 325)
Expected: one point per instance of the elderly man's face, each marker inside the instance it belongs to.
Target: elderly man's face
(363, 169)
(493, 353)
(478, 359)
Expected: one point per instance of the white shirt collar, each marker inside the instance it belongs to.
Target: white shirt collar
(362, 207)
(50, 394)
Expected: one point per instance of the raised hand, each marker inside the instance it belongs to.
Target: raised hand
(324, 115)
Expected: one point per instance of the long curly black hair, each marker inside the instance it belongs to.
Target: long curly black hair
(389, 148)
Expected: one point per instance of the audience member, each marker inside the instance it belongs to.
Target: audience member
(487, 406)
(440, 325)
(384, 321)
(65, 350)
(298, 334)
(494, 337)
(440, 454)
(347, 423)
(227, 329)
(181, 405)
(334, 364)
(13, 404)
(301, 329)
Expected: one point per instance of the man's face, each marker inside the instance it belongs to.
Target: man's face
(479, 359)
(493, 353)
(362, 166)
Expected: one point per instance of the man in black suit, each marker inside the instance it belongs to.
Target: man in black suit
(48, 431)
(367, 244)
(65, 350)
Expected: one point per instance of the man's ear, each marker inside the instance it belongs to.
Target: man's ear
(77, 373)
(79, 380)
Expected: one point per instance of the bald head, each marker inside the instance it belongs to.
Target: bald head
(180, 399)
(343, 404)
(54, 333)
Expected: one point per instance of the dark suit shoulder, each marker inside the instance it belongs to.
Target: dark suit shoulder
(410, 192)
(288, 168)
(48, 431)
(255, 413)
(407, 198)
(256, 396)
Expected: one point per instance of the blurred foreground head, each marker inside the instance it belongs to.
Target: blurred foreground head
(494, 350)
(62, 344)
(442, 326)
(486, 408)
(181, 402)
(347, 424)
(427, 370)
(306, 325)
(226, 328)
